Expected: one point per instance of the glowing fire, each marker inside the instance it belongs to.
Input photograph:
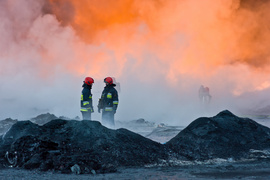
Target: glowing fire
(192, 36)
(173, 39)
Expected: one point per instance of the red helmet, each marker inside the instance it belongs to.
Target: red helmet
(108, 80)
(89, 80)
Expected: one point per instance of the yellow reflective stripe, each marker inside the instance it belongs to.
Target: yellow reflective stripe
(85, 103)
(115, 102)
(89, 97)
(108, 108)
(109, 96)
(84, 109)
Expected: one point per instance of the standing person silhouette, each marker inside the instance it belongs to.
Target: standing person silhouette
(86, 99)
(108, 102)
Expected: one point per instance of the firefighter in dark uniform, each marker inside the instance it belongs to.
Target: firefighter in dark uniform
(86, 99)
(108, 102)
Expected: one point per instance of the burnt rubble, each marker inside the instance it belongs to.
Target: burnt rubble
(43, 118)
(88, 147)
(47, 117)
(60, 144)
(6, 124)
(222, 136)
(40, 120)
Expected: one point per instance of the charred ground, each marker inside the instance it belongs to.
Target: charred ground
(222, 136)
(88, 147)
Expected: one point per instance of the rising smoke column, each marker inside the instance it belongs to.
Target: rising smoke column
(193, 37)
(155, 48)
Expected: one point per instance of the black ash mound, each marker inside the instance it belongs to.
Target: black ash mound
(61, 144)
(88, 147)
(6, 124)
(222, 136)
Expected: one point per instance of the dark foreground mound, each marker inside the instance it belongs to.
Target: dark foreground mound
(6, 124)
(88, 147)
(222, 136)
(61, 144)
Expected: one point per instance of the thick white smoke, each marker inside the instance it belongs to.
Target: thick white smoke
(43, 64)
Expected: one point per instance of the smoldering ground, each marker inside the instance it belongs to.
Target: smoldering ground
(230, 153)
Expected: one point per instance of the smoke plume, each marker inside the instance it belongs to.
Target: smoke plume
(160, 51)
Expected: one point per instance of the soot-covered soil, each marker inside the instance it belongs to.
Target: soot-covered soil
(87, 147)
(222, 136)
(61, 144)
(249, 170)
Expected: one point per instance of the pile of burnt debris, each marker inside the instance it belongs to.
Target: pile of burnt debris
(88, 147)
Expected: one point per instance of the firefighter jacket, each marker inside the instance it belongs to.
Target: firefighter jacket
(109, 99)
(86, 99)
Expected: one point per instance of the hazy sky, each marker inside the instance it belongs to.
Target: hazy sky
(160, 51)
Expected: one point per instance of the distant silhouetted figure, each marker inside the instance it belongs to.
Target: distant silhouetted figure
(204, 95)
(201, 93)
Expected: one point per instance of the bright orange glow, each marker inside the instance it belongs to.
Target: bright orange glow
(173, 38)
(156, 49)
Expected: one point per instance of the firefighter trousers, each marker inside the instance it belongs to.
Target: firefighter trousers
(108, 118)
(86, 115)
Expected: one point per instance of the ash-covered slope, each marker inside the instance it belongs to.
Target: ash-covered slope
(6, 124)
(43, 118)
(222, 136)
(40, 119)
(63, 145)
(60, 144)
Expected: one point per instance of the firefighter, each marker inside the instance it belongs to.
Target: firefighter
(108, 102)
(207, 94)
(86, 99)
(201, 93)
(204, 95)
